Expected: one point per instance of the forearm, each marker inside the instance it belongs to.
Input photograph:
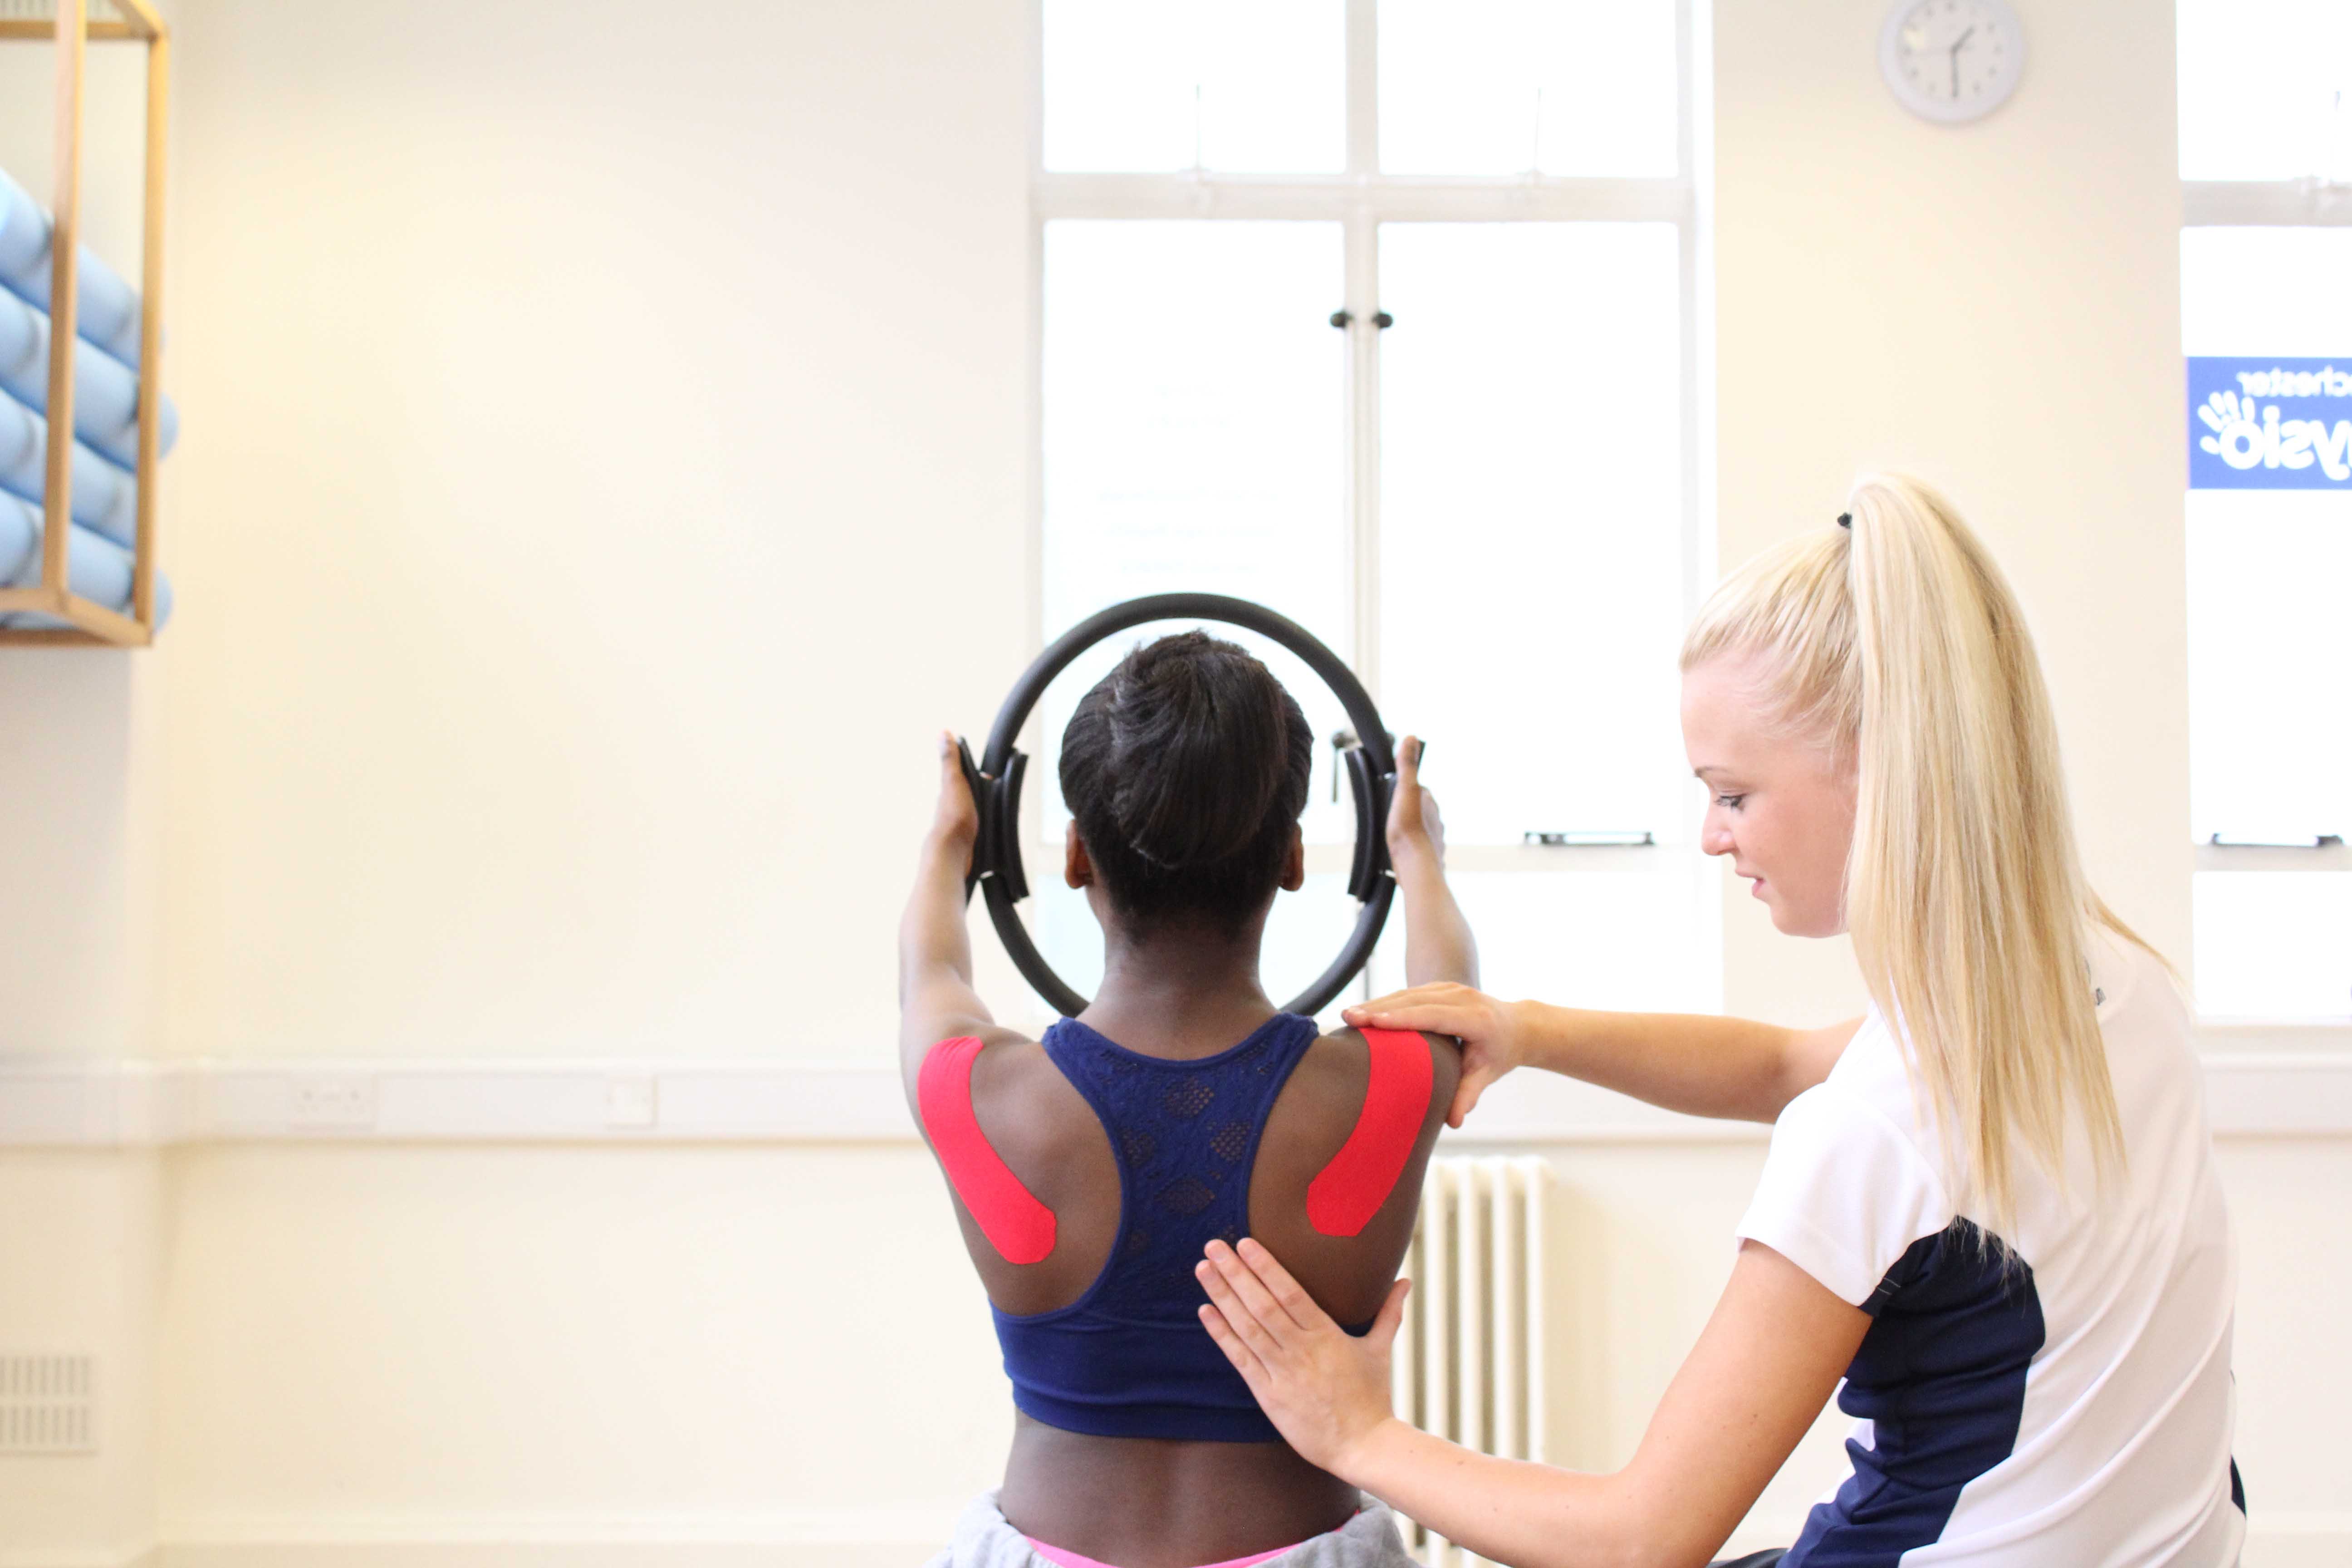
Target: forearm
(932, 936)
(935, 978)
(1438, 943)
(1730, 1068)
(1509, 1511)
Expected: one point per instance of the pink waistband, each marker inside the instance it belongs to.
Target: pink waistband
(1072, 1559)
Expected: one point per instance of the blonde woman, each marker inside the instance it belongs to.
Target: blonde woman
(1990, 1205)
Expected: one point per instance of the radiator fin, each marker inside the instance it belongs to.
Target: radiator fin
(1469, 1365)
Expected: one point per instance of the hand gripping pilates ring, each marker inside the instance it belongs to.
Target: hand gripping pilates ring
(996, 784)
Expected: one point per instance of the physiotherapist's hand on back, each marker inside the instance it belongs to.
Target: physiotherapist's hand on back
(1492, 1032)
(1325, 1390)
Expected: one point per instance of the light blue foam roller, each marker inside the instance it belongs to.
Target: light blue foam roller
(98, 568)
(106, 391)
(105, 497)
(106, 308)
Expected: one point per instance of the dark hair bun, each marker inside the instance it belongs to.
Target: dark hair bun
(1185, 768)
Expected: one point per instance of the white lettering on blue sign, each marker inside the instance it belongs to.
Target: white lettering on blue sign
(2282, 424)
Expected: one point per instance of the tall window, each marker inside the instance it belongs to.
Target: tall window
(2266, 323)
(1381, 312)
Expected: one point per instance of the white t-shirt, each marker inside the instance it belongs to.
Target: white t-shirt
(2076, 1409)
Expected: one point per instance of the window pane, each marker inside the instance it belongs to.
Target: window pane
(2270, 650)
(1303, 934)
(1250, 85)
(1531, 523)
(2265, 291)
(2269, 665)
(1499, 87)
(1194, 405)
(2265, 89)
(1627, 940)
(2273, 944)
(1195, 399)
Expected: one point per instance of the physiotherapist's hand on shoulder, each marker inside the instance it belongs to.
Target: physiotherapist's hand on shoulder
(1493, 1033)
(1325, 1391)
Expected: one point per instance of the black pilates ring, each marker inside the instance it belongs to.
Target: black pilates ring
(995, 782)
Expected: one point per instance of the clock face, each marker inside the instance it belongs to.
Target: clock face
(1951, 59)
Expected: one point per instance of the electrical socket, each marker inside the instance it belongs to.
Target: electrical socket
(329, 1100)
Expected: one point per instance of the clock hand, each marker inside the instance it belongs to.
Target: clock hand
(1957, 43)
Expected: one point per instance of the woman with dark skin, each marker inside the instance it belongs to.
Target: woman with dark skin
(1158, 761)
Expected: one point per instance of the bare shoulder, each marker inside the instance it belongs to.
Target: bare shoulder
(1346, 1263)
(1332, 1077)
(1035, 1115)
(1041, 1129)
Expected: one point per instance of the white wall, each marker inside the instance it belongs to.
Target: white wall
(605, 473)
(603, 468)
(80, 1272)
(81, 832)
(1996, 307)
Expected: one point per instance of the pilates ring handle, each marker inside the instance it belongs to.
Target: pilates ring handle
(996, 779)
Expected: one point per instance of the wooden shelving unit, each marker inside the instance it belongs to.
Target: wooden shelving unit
(134, 22)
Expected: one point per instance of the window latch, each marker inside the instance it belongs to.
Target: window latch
(1342, 743)
(1343, 320)
(1576, 840)
(2322, 841)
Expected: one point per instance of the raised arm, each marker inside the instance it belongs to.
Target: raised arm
(1438, 945)
(1731, 1069)
(936, 999)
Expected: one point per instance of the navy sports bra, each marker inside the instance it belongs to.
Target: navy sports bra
(1128, 1358)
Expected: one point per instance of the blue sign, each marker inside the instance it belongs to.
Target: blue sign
(2269, 423)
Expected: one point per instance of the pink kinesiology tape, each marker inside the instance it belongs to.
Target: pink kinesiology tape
(1019, 1226)
(1347, 1192)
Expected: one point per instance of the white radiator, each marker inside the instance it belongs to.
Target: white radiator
(1469, 1360)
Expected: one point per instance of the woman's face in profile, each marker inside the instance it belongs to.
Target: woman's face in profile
(1781, 805)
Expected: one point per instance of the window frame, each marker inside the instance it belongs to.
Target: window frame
(1361, 198)
(2305, 202)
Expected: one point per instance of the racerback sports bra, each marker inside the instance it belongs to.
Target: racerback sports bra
(1128, 1358)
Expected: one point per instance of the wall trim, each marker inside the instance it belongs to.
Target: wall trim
(863, 1541)
(146, 1554)
(2253, 1089)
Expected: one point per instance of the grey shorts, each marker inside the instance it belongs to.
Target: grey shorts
(983, 1540)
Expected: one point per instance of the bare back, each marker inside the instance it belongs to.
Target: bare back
(1152, 1502)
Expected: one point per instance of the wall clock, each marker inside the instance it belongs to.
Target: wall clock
(1951, 60)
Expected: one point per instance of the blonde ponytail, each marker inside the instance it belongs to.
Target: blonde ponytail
(1897, 641)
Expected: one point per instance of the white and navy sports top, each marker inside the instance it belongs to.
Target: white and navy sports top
(2071, 1405)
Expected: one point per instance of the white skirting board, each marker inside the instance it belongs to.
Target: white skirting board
(2285, 1541)
(2265, 1082)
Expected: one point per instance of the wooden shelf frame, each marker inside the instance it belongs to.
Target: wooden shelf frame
(88, 623)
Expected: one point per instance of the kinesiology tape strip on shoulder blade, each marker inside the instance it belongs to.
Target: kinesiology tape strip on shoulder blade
(1019, 1226)
(1347, 1192)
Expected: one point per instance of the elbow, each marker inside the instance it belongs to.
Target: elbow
(1644, 1530)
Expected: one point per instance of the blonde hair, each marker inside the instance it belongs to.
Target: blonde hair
(1897, 642)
